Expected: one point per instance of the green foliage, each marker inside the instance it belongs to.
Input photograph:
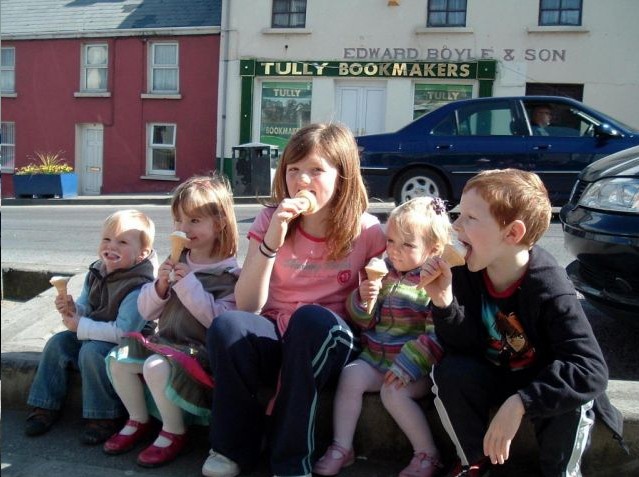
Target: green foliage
(47, 163)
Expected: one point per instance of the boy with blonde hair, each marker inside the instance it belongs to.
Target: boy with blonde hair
(514, 333)
(106, 309)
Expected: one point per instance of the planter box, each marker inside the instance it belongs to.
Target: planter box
(45, 185)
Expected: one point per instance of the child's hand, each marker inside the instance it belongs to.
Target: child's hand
(180, 270)
(65, 305)
(436, 278)
(391, 379)
(286, 211)
(503, 428)
(162, 283)
(369, 290)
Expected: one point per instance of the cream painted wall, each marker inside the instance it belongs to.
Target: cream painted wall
(602, 54)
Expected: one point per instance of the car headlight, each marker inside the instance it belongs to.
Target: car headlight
(619, 194)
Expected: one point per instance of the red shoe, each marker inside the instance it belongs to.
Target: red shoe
(154, 456)
(422, 465)
(330, 464)
(120, 443)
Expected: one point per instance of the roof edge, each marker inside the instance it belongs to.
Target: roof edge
(175, 31)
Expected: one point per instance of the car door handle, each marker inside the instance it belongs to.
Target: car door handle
(444, 146)
(542, 147)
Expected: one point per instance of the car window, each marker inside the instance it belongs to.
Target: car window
(564, 120)
(490, 119)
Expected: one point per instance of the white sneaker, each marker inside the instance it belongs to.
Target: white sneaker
(217, 465)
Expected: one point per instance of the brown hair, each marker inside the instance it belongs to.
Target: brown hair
(423, 217)
(133, 219)
(336, 144)
(513, 194)
(210, 196)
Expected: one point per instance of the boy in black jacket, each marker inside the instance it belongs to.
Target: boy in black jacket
(515, 335)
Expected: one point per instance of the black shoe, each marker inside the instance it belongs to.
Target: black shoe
(480, 468)
(40, 421)
(97, 431)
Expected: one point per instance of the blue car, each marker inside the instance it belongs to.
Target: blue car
(437, 153)
(601, 229)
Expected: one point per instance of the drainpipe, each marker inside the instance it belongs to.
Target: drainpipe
(222, 91)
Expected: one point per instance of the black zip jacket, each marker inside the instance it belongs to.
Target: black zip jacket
(570, 368)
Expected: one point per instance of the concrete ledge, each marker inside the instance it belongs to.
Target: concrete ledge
(377, 434)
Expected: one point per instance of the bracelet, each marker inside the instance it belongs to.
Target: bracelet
(269, 248)
(265, 253)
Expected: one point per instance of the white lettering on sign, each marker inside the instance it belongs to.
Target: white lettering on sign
(455, 54)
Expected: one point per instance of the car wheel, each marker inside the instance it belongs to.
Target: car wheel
(419, 183)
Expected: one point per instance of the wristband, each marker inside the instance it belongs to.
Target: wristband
(269, 248)
(264, 252)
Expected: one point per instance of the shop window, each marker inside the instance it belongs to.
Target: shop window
(560, 12)
(428, 97)
(161, 149)
(94, 67)
(446, 13)
(289, 14)
(8, 146)
(8, 71)
(286, 107)
(574, 91)
(164, 66)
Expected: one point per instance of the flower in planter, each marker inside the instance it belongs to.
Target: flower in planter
(48, 163)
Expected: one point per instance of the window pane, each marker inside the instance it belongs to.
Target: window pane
(550, 18)
(7, 81)
(7, 149)
(96, 55)
(437, 19)
(546, 4)
(165, 55)
(96, 78)
(163, 160)
(165, 79)
(297, 20)
(575, 4)
(457, 5)
(163, 135)
(298, 6)
(437, 4)
(8, 57)
(457, 19)
(570, 18)
(280, 6)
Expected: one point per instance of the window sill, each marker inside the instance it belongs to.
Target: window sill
(445, 30)
(7, 170)
(160, 96)
(286, 31)
(9, 95)
(160, 178)
(556, 29)
(88, 94)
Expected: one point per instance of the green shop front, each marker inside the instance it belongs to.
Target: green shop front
(279, 97)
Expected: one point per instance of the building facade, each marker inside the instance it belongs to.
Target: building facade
(378, 65)
(125, 92)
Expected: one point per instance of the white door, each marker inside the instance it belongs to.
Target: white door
(361, 107)
(91, 159)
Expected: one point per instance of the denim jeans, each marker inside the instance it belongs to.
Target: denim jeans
(64, 352)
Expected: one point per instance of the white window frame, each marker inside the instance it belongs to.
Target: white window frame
(151, 146)
(9, 70)
(84, 70)
(8, 146)
(288, 12)
(154, 67)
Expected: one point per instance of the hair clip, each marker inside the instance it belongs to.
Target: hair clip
(438, 206)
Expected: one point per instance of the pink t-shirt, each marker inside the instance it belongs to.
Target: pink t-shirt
(302, 275)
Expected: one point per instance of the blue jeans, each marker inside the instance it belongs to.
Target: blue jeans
(63, 352)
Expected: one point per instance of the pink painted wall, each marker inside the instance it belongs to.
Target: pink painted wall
(46, 112)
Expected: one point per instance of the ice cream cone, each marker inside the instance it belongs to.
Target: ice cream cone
(310, 201)
(179, 241)
(375, 270)
(60, 283)
(454, 254)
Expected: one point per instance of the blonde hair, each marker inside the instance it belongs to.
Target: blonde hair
(334, 143)
(513, 194)
(210, 196)
(132, 219)
(425, 217)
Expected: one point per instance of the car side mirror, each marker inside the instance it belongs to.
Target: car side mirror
(604, 131)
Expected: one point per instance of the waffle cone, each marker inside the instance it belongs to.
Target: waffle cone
(375, 270)
(179, 241)
(310, 201)
(454, 255)
(60, 283)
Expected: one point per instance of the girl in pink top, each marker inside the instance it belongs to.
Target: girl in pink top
(291, 333)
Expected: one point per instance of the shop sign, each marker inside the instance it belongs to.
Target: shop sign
(418, 69)
(432, 96)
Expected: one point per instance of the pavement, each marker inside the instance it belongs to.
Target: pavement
(382, 449)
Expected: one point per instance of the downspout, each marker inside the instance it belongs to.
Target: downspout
(223, 93)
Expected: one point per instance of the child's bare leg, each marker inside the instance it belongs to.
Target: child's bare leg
(156, 374)
(409, 415)
(357, 378)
